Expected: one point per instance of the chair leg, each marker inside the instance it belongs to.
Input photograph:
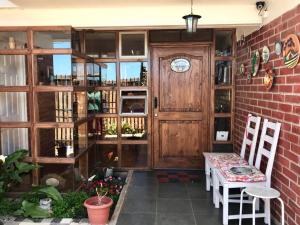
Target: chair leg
(213, 178)
(241, 206)
(216, 187)
(257, 205)
(282, 211)
(225, 204)
(207, 173)
(267, 212)
(253, 210)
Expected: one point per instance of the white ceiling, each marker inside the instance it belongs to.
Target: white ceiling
(26, 4)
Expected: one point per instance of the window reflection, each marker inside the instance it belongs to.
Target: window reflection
(134, 73)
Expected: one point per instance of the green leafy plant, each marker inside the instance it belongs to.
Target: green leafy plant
(111, 129)
(127, 128)
(71, 206)
(30, 204)
(9, 206)
(12, 168)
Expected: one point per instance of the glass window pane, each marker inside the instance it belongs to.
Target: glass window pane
(134, 128)
(13, 70)
(100, 44)
(62, 142)
(67, 175)
(223, 101)
(54, 69)
(102, 102)
(76, 40)
(14, 107)
(133, 106)
(102, 74)
(133, 44)
(133, 73)
(134, 155)
(52, 39)
(222, 129)
(223, 43)
(104, 128)
(107, 155)
(13, 139)
(223, 73)
(13, 40)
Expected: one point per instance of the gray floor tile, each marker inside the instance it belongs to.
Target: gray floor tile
(172, 190)
(204, 207)
(139, 206)
(208, 219)
(175, 219)
(136, 219)
(173, 206)
(142, 192)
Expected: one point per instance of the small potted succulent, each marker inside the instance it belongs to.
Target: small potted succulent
(98, 207)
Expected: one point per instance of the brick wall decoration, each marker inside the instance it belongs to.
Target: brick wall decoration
(281, 103)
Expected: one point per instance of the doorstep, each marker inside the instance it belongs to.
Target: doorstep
(70, 221)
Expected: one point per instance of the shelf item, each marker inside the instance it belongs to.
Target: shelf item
(13, 40)
(133, 45)
(104, 128)
(223, 73)
(134, 156)
(14, 138)
(134, 128)
(13, 70)
(222, 128)
(133, 73)
(223, 42)
(102, 102)
(133, 102)
(14, 107)
(100, 44)
(223, 101)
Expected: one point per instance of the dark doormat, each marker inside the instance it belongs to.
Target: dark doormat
(171, 176)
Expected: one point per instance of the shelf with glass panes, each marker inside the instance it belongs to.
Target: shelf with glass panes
(224, 83)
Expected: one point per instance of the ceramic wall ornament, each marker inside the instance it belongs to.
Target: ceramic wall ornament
(265, 54)
(255, 61)
(242, 69)
(268, 78)
(278, 48)
(291, 51)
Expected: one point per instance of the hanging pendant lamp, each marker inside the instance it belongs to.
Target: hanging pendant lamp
(191, 20)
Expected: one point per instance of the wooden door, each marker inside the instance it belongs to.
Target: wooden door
(181, 105)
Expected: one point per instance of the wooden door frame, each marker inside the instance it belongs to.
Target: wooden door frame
(210, 93)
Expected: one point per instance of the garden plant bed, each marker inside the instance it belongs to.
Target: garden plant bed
(126, 175)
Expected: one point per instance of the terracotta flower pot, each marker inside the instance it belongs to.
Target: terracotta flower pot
(98, 214)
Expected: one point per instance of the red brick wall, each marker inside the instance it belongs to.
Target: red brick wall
(281, 103)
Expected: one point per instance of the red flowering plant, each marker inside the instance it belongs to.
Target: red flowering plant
(109, 186)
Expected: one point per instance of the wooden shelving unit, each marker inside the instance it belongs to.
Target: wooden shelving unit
(223, 88)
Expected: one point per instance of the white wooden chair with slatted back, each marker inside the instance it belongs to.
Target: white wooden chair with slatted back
(226, 178)
(215, 160)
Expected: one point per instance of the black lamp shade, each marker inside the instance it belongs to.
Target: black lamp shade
(191, 21)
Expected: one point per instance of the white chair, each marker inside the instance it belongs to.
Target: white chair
(215, 160)
(228, 180)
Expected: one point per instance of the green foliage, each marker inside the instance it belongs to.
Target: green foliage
(32, 210)
(71, 206)
(12, 169)
(9, 206)
(111, 129)
(127, 128)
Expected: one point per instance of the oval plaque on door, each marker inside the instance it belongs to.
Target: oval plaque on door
(180, 65)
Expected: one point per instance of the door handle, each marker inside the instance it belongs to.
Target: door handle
(155, 102)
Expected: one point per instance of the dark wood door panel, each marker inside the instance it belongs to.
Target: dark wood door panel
(180, 120)
(180, 92)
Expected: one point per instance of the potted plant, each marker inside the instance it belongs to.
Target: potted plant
(98, 207)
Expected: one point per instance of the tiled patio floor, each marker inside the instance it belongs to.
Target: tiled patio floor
(149, 202)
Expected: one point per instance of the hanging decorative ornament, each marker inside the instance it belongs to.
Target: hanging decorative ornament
(278, 48)
(249, 77)
(255, 63)
(265, 54)
(268, 78)
(291, 51)
(242, 69)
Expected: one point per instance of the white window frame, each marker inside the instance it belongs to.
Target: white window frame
(134, 56)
